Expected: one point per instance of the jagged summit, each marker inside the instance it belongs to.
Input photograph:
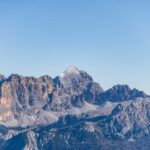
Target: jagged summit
(119, 86)
(120, 93)
(78, 85)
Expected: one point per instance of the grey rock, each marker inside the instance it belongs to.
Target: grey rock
(120, 93)
(71, 111)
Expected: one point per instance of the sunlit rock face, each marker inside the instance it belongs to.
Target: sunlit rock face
(21, 96)
(31, 91)
(6, 96)
(6, 102)
(25, 91)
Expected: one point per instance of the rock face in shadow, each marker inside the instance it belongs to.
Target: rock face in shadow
(2, 77)
(120, 93)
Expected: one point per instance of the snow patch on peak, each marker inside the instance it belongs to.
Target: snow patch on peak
(62, 75)
(72, 70)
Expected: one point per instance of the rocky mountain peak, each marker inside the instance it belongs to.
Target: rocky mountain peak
(77, 86)
(121, 87)
(73, 77)
(14, 78)
(119, 93)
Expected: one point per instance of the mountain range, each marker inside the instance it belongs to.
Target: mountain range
(71, 112)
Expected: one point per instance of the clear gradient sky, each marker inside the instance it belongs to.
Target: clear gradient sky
(110, 39)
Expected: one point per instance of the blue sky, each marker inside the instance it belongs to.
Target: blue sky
(110, 39)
